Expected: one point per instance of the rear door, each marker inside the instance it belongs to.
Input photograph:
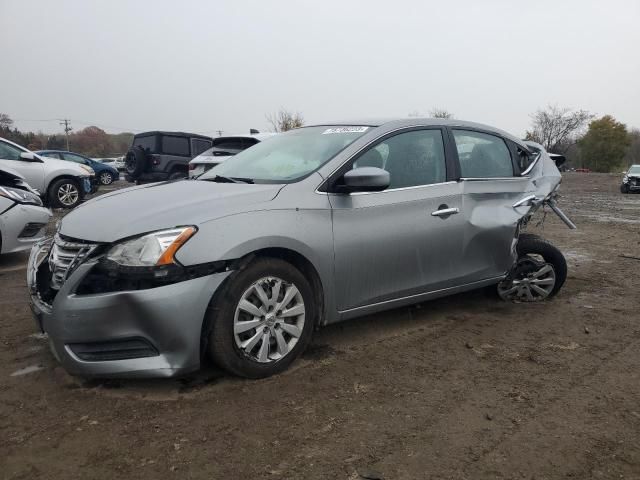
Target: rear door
(395, 243)
(490, 186)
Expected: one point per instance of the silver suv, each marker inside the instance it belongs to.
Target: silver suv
(315, 226)
(60, 184)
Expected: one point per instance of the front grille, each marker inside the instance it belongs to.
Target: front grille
(65, 256)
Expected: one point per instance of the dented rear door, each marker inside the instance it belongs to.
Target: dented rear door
(490, 188)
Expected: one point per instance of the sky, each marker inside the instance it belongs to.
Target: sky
(203, 66)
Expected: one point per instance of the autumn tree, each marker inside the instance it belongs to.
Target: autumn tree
(632, 157)
(604, 145)
(284, 120)
(556, 129)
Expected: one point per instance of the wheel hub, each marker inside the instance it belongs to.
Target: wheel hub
(269, 320)
(530, 281)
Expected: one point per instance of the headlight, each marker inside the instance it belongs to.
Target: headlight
(89, 170)
(152, 249)
(625, 179)
(20, 196)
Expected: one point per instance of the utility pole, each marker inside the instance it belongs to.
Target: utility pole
(67, 128)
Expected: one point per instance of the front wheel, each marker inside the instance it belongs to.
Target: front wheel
(539, 273)
(64, 193)
(263, 319)
(624, 188)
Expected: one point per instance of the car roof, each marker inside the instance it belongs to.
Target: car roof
(391, 123)
(176, 134)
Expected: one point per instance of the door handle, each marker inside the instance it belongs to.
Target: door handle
(445, 212)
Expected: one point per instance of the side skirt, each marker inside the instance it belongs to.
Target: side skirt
(413, 299)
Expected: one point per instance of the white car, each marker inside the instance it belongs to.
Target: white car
(61, 184)
(223, 148)
(23, 219)
(115, 162)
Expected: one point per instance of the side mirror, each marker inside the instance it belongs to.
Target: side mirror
(365, 179)
(28, 156)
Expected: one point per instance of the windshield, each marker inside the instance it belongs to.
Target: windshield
(288, 157)
(634, 170)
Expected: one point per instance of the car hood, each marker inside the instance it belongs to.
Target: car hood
(10, 174)
(133, 211)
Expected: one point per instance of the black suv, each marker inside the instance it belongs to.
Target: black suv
(158, 156)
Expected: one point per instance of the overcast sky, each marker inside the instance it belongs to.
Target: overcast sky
(201, 66)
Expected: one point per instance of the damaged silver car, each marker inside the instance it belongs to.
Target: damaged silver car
(315, 226)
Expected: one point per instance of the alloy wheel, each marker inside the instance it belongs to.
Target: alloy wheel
(269, 319)
(68, 194)
(532, 281)
(106, 178)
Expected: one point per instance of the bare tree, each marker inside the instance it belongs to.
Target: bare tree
(436, 112)
(5, 120)
(284, 120)
(556, 129)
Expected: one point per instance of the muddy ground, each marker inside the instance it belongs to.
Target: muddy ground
(466, 387)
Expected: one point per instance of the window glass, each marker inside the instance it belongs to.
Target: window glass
(9, 152)
(290, 156)
(147, 143)
(482, 155)
(75, 158)
(175, 145)
(55, 155)
(199, 145)
(235, 144)
(412, 158)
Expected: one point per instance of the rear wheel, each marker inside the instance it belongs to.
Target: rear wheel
(263, 319)
(106, 178)
(539, 274)
(64, 193)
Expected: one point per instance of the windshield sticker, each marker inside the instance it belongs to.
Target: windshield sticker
(345, 130)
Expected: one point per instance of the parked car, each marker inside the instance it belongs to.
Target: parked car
(60, 184)
(631, 180)
(317, 225)
(158, 156)
(105, 174)
(223, 148)
(583, 170)
(117, 162)
(23, 219)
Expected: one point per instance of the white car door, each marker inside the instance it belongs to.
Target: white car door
(33, 170)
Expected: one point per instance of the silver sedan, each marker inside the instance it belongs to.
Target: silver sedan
(315, 226)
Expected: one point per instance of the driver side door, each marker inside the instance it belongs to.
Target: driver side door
(394, 243)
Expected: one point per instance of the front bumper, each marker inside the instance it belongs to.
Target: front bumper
(168, 318)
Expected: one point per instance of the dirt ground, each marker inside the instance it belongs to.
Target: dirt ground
(466, 387)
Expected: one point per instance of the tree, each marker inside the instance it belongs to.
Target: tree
(632, 157)
(604, 145)
(556, 129)
(5, 121)
(440, 113)
(285, 120)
